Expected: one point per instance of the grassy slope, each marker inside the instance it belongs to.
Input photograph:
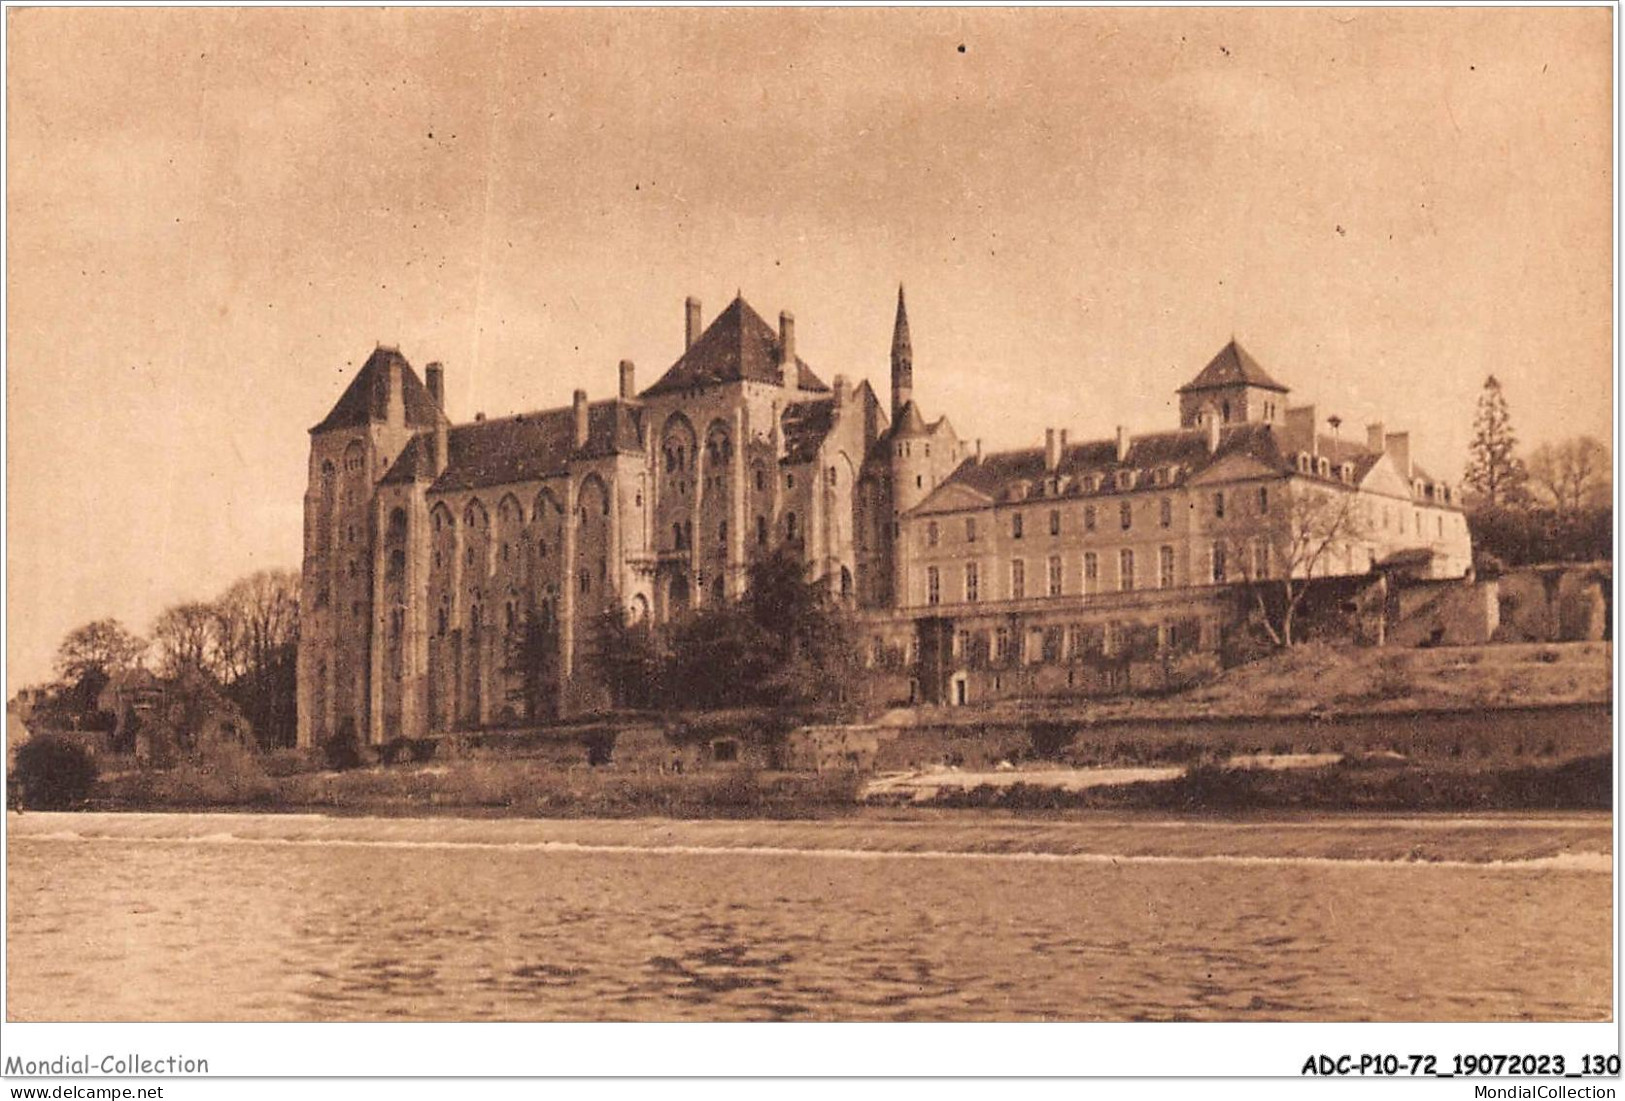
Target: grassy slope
(1317, 677)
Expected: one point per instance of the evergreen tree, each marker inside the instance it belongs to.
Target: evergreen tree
(1495, 474)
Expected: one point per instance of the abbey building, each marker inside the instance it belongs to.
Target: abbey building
(445, 564)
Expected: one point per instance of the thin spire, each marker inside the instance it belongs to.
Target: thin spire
(902, 359)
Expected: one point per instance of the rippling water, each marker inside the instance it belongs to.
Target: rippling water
(217, 928)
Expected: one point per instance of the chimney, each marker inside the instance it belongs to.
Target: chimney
(629, 386)
(442, 445)
(842, 391)
(978, 450)
(1212, 435)
(1123, 442)
(1062, 434)
(435, 377)
(1397, 445)
(1374, 439)
(691, 322)
(479, 418)
(580, 408)
(1052, 451)
(787, 348)
(1302, 430)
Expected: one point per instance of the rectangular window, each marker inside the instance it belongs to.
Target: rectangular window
(970, 529)
(1089, 518)
(1015, 526)
(1218, 505)
(1218, 563)
(1091, 573)
(1055, 575)
(931, 534)
(1261, 559)
(1125, 515)
(933, 585)
(973, 583)
(1018, 580)
(1001, 644)
(1165, 567)
(1263, 500)
(1125, 570)
(1055, 521)
(1166, 513)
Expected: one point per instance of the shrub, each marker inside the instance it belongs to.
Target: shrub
(1393, 679)
(342, 753)
(53, 773)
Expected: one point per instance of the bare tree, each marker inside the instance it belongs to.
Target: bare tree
(1571, 472)
(259, 619)
(186, 638)
(1317, 526)
(104, 647)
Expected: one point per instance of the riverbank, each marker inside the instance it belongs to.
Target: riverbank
(1577, 841)
(528, 789)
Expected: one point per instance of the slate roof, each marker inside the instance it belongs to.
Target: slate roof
(737, 346)
(521, 448)
(1184, 450)
(805, 424)
(366, 399)
(1232, 366)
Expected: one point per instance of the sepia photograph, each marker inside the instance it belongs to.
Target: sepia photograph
(641, 515)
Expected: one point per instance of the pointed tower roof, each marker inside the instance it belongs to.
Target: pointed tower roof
(902, 350)
(1232, 367)
(737, 346)
(909, 423)
(366, 399)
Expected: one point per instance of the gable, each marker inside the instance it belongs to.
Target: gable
(952, 497)
(1385, 478)
(1233, 468)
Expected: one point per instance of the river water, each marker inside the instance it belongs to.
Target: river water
(240, 917)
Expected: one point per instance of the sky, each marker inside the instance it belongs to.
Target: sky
(214, 215)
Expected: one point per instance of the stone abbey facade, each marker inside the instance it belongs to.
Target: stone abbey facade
(433, 550)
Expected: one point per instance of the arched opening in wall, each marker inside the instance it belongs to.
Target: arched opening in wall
(846, 582)
(677, 596)
(638, 610)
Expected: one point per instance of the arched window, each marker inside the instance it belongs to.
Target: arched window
(790, 526)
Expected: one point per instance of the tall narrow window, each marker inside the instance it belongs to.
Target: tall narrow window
(970, 529)
(1263, 500)
(1165, 567)
(973, 583)
(1091, 573)
(931, 534)
(761, 531)
(1125, 570)
(1018, 580)
(1055, 521)
(1218, 563)
(1125, 515)
(1218, 505)
(933, 585)
(1055, 575)
(1165, 512)
(1015, 526)
(1089, 518)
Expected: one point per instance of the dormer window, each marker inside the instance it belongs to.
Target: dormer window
(1125, 479)
(1324, 467)
(1347, 472)
(1303, 462)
